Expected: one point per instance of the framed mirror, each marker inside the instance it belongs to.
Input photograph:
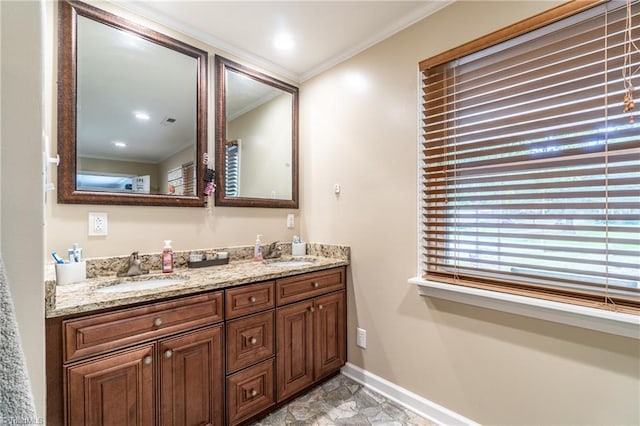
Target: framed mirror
(132, 112)
(256, 138)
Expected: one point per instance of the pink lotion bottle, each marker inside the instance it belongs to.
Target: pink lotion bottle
(167, 257)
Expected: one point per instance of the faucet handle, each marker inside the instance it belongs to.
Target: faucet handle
(273, 251)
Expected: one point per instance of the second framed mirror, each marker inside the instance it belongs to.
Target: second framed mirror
(256, 138)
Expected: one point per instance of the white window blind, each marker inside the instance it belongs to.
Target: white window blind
(189, 179)
(531, 173)
(232, 168)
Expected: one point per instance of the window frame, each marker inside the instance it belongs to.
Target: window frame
(442, 284)
(232, 174)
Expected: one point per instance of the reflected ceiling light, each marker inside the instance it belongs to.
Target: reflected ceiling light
(283, 42)
(357, 81)
(119, 144)
(141, 115)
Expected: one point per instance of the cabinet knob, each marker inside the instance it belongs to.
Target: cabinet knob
(157, 322)
(312, 309)
(253, 340)
(253, 299)
(254, 392)
(320, 307)
(315, 285)
(148, 360)
(168, 353)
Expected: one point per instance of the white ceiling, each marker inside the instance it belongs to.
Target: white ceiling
(325, 33)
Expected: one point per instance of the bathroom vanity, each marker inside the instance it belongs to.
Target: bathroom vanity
(220, 352)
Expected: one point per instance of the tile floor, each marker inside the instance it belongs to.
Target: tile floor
(341, 401)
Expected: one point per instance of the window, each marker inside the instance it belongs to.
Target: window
(232, 168)
(531, 171)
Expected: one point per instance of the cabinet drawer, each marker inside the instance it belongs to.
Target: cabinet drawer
(249, 392)
(301, 287)
(249, 340)
(249, 299)
(103, 332)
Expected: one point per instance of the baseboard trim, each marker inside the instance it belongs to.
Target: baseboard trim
(428, 409)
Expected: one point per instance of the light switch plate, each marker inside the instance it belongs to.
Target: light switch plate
(361, 337)
(291, 223)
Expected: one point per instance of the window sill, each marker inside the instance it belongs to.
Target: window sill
(617, 323)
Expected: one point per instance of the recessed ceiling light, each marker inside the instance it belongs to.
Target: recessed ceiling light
(283, 42)
(141, 115)
(119, 144)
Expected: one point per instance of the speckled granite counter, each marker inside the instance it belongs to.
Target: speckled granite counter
(85, 297)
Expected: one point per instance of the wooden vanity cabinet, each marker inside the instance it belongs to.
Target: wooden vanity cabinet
(311, 334)
(174, 379)
(223, 357)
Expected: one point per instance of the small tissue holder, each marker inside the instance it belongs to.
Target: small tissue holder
(69, 273)
(298, 249)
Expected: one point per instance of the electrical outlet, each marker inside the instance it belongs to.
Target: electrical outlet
(291, 223)
(98, 224)
(361, 337)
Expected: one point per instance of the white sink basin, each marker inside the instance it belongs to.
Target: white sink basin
(139, 285)
(290, 263)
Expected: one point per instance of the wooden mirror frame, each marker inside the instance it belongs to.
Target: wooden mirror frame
(221, 66)
(68, 11)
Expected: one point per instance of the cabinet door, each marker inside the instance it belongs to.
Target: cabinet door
(112, 390)
(294, 325)
(191, 378)
(330, 348)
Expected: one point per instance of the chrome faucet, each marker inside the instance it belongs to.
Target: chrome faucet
(133, 266)
(273, 251)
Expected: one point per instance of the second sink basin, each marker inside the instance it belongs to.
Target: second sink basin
(290, 263)
(140, 285)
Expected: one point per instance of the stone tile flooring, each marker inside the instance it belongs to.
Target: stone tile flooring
(341, 401)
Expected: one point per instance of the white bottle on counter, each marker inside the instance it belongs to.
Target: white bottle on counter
(167, 257)
(257, 250)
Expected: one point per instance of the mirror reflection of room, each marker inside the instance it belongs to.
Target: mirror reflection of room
(259, 133)
(136, 130)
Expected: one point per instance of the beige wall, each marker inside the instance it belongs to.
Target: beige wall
(359, 128)
(265, 150)
(21, 178)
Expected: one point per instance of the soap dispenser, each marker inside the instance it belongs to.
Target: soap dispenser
(257, 250)
(167, 257)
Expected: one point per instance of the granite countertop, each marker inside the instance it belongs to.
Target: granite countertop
(84, 297)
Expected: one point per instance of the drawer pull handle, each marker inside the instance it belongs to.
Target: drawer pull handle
(254, 392)
(253, 299)
(168, 353)
(157, 322)
(253, 340)
(315, 285)
(148, 360)
(312, 309)
(320, 307)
